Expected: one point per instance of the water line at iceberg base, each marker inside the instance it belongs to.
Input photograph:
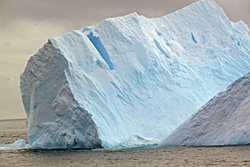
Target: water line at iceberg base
(135, 142)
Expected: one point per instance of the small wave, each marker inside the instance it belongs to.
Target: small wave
(9, 146)
(5, 146)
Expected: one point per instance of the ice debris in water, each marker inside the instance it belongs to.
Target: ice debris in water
(131, 75)
(20, 143)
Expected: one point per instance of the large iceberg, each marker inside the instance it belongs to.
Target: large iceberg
(131, 76)
(224, 120)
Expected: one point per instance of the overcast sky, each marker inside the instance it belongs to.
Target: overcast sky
(25, 25)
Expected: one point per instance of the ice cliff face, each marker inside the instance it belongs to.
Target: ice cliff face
(131, 76)
(54, 118)
(224, 120)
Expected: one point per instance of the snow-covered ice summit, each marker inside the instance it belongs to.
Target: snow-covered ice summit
(131, 76)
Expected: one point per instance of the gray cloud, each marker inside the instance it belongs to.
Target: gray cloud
(85, 12)
(79, 13)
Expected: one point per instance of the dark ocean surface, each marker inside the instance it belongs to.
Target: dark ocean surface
(11, 130)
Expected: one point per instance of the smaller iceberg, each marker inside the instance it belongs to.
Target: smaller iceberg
(223, 120)
(20, 143)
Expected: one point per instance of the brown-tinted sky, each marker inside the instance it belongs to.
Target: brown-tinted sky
(25, 25)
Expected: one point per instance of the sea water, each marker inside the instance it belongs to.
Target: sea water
(124, 155)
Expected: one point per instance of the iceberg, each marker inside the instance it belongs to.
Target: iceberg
(20, 143)
(130, 77)
(223, 120)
